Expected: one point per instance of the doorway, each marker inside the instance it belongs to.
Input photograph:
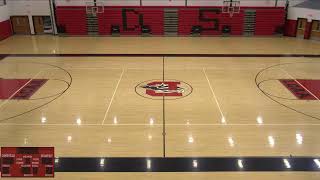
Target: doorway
(42, 24)
(315, 31)
(301, 27)
(20, 24)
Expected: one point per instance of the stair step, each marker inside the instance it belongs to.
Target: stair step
(171, 34)
(171, 21)
(167, 10)
(249, 22)
(175, 24)
(166, 26)
(171, 18)
(171, 29)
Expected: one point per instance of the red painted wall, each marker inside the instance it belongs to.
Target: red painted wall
(267, 20)
(5, 29)
(290, 28)
(190, 17)
(307, 32)
(152, 17)
(73, 19)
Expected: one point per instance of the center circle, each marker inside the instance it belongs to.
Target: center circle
(159, 89)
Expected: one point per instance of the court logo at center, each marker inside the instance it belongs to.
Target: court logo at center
(157, 89)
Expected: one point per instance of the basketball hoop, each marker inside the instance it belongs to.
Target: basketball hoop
(231, 7)
(93, 9)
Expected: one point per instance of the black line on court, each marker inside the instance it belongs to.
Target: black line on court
(186, 164)
(2, 56)
(162, 55)
(163, 114)
(272, 97)
(55, 97)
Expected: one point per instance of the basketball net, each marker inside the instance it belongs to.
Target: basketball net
(231, 12)
(231, 7)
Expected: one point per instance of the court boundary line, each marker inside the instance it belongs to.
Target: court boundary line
(171, 124)
(163, 111)
(132, 68)
(10, 98)
(213, 93)
(161, 55)
(113, 95)
(189, 164)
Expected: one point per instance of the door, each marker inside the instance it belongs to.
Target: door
(20, 24)
(38, 24)
(301, 27)
(315, 31)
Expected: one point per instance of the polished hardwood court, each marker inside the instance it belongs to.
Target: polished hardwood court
(163, 106)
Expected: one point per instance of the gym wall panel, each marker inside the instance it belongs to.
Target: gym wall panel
(104, 2)
(73, 20)
(152, 17)
(290, 28)
(268, 20)
(5, 29)
(235, 22)
(28, 7)
(5, 24)
(4, 13)
(262, 3)
(311, 14)
(163, 2)
(107, 19)
(190, 17)
(244, 3)
(120, 2)
(187, 19)
(72, 2)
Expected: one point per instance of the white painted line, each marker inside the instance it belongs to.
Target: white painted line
(149, 68)
(114, 93)
(299, 84)
(214, 95)
(204, 124)
(85, 68)
(7, 100)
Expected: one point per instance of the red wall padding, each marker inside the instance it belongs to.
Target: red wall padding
(151, 17)
(187, 19)
(190, 17)
(74, 20)
(290, 28)
(5, 29)
(267, 20)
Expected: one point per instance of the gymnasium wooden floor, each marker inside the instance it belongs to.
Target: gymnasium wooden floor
(94, 105)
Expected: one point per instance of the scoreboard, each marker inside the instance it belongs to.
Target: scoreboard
(27, 162)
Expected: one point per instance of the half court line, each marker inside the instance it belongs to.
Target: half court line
(214, 95)
(7, 100)
(114, 93)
